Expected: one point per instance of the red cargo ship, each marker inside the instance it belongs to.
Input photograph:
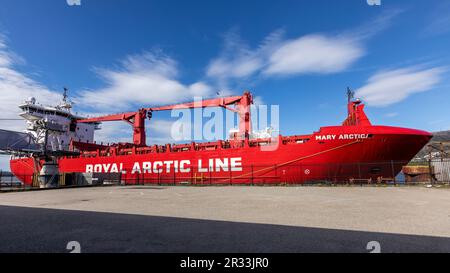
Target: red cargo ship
(354, 150)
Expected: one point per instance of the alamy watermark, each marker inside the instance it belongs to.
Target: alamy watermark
(73, 2)
(374, 247)
(74, 247)
(217, 123)
(374, 2)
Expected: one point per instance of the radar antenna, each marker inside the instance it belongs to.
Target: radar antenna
(65, 96)
(350, 94)
(66, 102)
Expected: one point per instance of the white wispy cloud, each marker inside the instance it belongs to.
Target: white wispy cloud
(144, 79)
(4, 162)
(392, 86)
(161, 131)
(238, 60)
(16, 86)
(391, 115)
(317, 53)
(314, 54)
(114, 132)
(275, 56)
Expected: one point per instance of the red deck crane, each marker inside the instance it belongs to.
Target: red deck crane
(137, 119)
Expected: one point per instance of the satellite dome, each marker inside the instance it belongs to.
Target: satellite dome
(31, 100)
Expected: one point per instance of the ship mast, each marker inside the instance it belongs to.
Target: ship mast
(66, 103)
(350, 94)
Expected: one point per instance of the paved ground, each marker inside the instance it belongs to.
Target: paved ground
(226, 219)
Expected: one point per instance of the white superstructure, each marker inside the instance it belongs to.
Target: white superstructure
(58, 117)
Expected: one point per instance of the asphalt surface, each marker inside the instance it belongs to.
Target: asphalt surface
(226, 219)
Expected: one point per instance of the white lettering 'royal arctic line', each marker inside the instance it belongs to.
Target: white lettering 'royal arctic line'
(233, 164)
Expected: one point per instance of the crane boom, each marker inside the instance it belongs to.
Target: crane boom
(137, 119)
(219, 102)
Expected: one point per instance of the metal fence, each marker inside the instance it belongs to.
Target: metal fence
(392, 172)
(8, 181)
(441, 169)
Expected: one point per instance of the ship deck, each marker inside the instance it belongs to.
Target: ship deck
(226, 219)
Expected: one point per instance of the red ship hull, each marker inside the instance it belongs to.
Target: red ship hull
(337, 153)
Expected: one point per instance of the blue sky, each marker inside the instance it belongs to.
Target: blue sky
(121, 55)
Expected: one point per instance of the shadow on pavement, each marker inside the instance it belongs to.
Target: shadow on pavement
(49, 230)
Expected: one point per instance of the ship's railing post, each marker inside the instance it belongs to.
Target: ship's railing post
(360, 181)
(393, 172)
(210, 173)
(329, 180)
(430, 170)
(276, 173)
(300, 167)
(447, 173)
(446, 177)
(359, 170)
(174, 177)
(252, 176)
